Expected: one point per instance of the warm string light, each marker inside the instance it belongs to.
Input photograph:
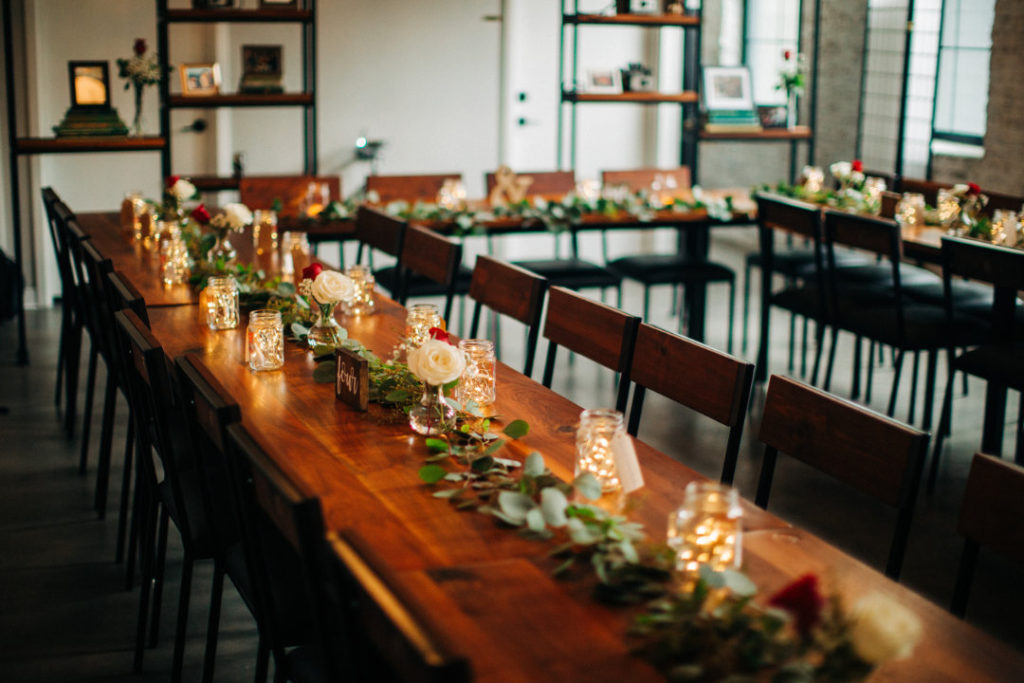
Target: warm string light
(264, 231)
(419, 320)
(174, 261)
(477, 383)
(707, 528)
(362, 301)
(910, 209)
(221, 303)
(264, 340)
(814, 178)
(594, 453)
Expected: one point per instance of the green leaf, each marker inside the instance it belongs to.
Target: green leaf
(515, 506)
(299, 330)
(482, 464)
(286, 289)
(534, 465)
(323, 350)
(564, 567)
(432, 474)
(494, 446)
(535, 520)
(516, 429)
(447, 493)
(325, 372)
(552, 505)
(437, 444)
(397, 396)
(438, 457)
(588, 486)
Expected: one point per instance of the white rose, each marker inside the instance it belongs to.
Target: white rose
(883, 629)
(437, 362)
(856, 177)
(841, 169)
(237, 215)
(330, 287)
(183, 189)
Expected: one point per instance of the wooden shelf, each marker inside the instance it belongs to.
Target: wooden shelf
(652, 20)
(88, 144)
(213, 183)
(635, 97)
(768, 134)
(247, 16)
(240, 100)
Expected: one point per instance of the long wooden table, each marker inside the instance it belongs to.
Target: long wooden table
(484, 588)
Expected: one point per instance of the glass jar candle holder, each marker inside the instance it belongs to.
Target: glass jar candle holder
(264, 340)
(174, 262)
(910, 209)
(594, 452)
(477, 383)
(131, 208)
(295, 253)
(264, 231)
(362, 301)
(707, 529)
(452, 195)
(813, 178)
(947, 206)
(1004, 227)
(221, 303)
(418, 321)
(873, 189)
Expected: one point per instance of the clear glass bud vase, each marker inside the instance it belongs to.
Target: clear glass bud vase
(326, 331)
(433, 415)
(222, 248)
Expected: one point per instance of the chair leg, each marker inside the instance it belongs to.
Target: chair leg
(90, 390)
(929, 389)
(803, 346)
(213, 626)
(831, 358)
(262, 661)
(761, 369)
(746, 306)
(146, 522)
(71, 382)
(61, 352)
(647, 303)
(913, 390)
(792, 342)
(897, 369)
(855, 380)
(945, 418)
(732, 315)
(819, 348)
(158, 578)
(139, 507)
(178, 659)
(1018, 455)
(106, 445)
(126, 485)
(868, 381)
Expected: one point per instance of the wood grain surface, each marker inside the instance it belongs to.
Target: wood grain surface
(491, 589)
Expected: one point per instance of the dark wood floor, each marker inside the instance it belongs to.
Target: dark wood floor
(64, 615)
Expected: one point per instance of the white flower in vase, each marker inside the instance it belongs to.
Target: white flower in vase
(437, 362)
(331, 287)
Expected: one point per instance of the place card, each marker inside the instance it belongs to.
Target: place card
(627, 465)
(352, 381)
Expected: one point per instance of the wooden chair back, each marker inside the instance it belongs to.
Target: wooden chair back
(873, 454)
(410, 188)
(590, 328)
(97, 267)
(124, 295)
(512, 291)
(642, 178)
(789, 215)
(889, 202)
(379, 231)
(991, 515)
(399, 637)
(697, 376)
(999, 200)
(879, 236)
(293, 192)
(1001, 266)
(282, 539)
(433, 256)
(545, 183)
(929, 188)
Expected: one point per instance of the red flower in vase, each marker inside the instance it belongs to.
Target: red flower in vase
(803, 600)
(973, 189)
(311, 271)
(787, 55)
(439, 334)
(139, 47)
(857, 166)
(200, 214)
(172, 180)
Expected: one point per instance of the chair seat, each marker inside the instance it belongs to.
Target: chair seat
(925, 327)
(799, 263)
(910, 276)
(1002, 362)
(418, 285)
(659, 269)
(805, 301)
(964, 293)
(573, 273)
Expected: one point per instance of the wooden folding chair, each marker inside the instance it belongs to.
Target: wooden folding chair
(991, 515)
(590, 328)
(697, 376)
(871, 453)
(509, 290)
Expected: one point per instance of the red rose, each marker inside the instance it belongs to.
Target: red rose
(972, 188)
(200, 214)
(140, 46)
(803, 600)
(173, 179)
(787, 54)
(438, 333)
(857, 165)
(311, 271)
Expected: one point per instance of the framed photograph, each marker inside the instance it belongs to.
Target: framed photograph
(772, 115)
(212, 4)
(279, 3)
(727, 87)
(603, 81)
(90, 85)
(200, 79)
(261, 69)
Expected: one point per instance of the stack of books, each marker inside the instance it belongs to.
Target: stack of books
(732, 121)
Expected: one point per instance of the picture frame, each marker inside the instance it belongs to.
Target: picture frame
(727, 87)
(262, 69)
(772, 115)
(278, 3)
(198, 79)
(212, 4)
(603, 81)
(89, 84)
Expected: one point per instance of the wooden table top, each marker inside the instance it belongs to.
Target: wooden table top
(487, 589)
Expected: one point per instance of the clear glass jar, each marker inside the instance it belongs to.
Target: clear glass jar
(264, 340)
(947, 205)
(594, 453)
(222, 302)
(707, 528)
(1004, 227)
(910, 209)
(174, 262)
(362, 301)
(295, 254)
(264, 231)
(813, 178)
(131, 208)
(477, 383)
(418, 321)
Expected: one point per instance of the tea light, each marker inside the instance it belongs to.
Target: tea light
(947, 206)
(477, 383)
(814, 178)
(419, 320)
(264, 231)
(174, 261)
(452, 195)
(264, 340)
(362, 301)
(594, 452)
(910, 209)
(707, 528)
(222, 303)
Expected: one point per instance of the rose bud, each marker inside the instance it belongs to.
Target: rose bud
(311, 271)
(439, 334)
(857, 165)
(973, 188)
(803, 600)
(200, 214)
(787, 54)
(140, 46)
(172, 180)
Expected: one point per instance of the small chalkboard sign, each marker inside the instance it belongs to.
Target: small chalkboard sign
(352, 382)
